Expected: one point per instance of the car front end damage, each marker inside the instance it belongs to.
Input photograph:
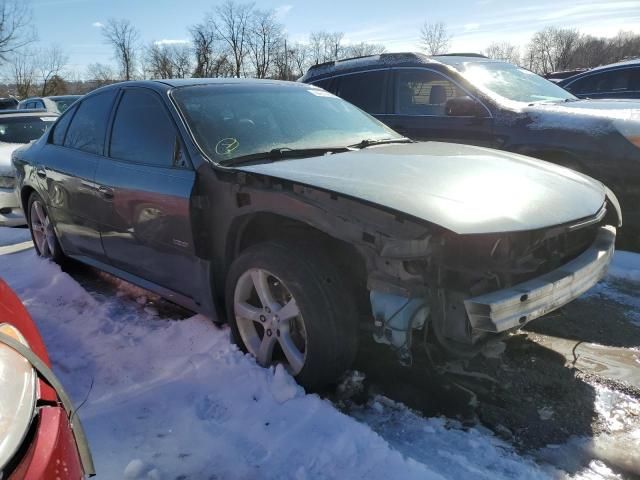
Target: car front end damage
(466, 289)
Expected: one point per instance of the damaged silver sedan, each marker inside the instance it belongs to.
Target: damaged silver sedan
(298, 218)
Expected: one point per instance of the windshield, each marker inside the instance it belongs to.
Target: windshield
(230, 121)
(24, 129)
(514, 83)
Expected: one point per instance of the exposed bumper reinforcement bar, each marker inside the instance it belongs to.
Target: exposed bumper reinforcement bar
(512, 307)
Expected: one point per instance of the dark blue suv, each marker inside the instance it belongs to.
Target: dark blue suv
(475, 100)
(618, 80)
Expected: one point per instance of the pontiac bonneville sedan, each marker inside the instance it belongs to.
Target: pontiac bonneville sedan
(296, 217)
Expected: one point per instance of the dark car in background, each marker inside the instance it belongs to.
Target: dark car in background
(480, 101)
(55, 104)
(618, 80)
(301, 215)
(557, 77)
(8, 103)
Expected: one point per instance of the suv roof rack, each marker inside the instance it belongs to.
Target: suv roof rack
(463, 54)
(381, 55)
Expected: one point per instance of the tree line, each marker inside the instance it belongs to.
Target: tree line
(551, 49)
(236, 39)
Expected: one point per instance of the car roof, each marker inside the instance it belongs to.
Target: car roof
(601, 68)
(40, 112)
(392, 60)
(163, 85)
(58, 97)
(624, 63)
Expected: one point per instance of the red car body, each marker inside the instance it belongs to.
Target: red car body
(50, 452)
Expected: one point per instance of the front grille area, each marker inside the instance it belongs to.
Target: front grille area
(483, 263)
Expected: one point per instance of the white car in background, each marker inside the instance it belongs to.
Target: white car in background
(17, 128)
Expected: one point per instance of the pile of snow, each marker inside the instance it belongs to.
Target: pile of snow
(173, 398)
(625, 266)
(11, 236)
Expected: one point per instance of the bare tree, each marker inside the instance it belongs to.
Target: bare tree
(24, 73)
(551, 49)
(300, 59)
(123, 37)
(504, 51)
(49, 64)
(264, 40)
(100, 74)
(15, 27)
(326, 46)
(364, 49)
(232, 25)
(434, 38)
(168, 61)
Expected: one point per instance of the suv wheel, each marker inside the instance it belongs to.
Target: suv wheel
(42, 232)
(286, 304)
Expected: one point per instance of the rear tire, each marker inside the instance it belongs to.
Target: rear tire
(307, 305)
(42, 232)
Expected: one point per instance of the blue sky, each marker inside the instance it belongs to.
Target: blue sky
(473, 23)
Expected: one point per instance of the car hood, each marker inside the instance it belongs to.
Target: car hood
(6, 149)
(462, 188)
(605, 109)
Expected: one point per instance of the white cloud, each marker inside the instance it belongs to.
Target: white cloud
(97, 24)
(282, 11)
(172, 41)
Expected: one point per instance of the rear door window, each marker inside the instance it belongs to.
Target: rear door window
(143, 132)
(89, 125)
(423, 92)
(366, 90)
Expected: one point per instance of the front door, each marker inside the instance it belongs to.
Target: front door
(419, 99)
(146, 184)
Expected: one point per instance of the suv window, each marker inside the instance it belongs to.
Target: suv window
(619, 80)
(89, 124)
(423, 92)
(366, 90)
(142, 130)
(60, 128)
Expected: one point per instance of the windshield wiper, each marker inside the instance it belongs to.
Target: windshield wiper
(282, 154)
(369, 143)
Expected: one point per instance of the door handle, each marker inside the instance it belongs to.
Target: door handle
(41, 172)
(106, 192)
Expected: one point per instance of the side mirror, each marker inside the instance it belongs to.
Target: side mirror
(464, 107)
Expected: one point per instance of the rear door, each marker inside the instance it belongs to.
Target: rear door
(146, 186)
(419, 97)
(70, 159)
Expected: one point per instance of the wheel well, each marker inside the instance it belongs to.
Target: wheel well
(266, 227)
(25, 193)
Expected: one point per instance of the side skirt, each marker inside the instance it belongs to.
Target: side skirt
(177, 298)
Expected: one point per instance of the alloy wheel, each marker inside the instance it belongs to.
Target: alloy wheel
(43, 235)
(269, 320)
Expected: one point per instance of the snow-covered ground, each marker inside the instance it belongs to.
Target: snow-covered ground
(167, 398)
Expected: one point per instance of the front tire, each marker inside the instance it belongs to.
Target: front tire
(288, 304)
(42, 232)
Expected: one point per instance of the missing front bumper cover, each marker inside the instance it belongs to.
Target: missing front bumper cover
(512, 307)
